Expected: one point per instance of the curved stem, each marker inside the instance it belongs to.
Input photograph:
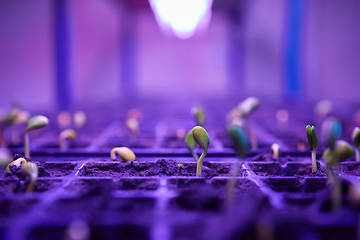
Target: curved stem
(26, 145)
(252, 135)
(200, 162)
(31, 185)
(357, 155)
(313, 158)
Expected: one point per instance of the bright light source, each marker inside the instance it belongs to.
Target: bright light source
(182, 17)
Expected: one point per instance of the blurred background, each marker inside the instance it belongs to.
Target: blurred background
(63, 53)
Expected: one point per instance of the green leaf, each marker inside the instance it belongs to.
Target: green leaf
(190, 141)
(124, 153)
(342, 151)
(239, 139)
(201, 137)
(312, 137)
(37, 122)
(356, 137)
(199, 115)
(248, 106)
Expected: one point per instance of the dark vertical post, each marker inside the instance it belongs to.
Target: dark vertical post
(235, 52)
(62, 53)
(128, 53)
(293, 49)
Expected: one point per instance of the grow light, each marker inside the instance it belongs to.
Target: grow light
(182, 17)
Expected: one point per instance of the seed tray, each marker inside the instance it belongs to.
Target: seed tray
(155, 198)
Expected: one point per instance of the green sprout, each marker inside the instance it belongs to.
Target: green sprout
(241, 145)
(275, 149)
(199, 115)
(18, 162)
(79, 119)
(246, 107)
(331, 131)
(191, 144)
(30, 170)
(201, 137)
(124, 153)
(6, 122)
(34, 123)
(340, 152)
(356, 141)
(313, 142)
(64, 137)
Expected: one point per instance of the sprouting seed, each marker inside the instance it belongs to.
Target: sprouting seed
(30, 169)
(202, 138)
(275, 149)
(65, 136)
(124, 153)
(246, 108)
(313, 142)
(34, 123)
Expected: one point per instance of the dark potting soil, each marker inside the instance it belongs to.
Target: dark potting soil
(161, 166)
(291, 169)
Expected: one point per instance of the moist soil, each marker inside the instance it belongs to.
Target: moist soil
(161, 166)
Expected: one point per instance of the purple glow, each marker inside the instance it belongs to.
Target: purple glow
(182, 17)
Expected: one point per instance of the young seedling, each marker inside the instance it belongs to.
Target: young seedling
(201, 137)
(133, 125)
(124, 153)
(64, 119)
(191, 145)
(246, 107)
(356, 141)
(64, 137)
(199, 115)
(79, 119)
(241, 145)
(35, 122)
(6, 122)
(313, 142)
(275, 149)
(331, 131)
(18, 162)
(340, 152)
(30, 170)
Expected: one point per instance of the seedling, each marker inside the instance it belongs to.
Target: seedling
(36, 122)
(64, 119)
(191, 144)
(64, 137)
(341, 151)
(199, 115)
(79, 119)
(124, 153)
(30, 170)
(356, 141)
(6, 122)
(246, 107)
(133, 125)
(313, 142)
(18, 163)
(331, 131)
(201, 137)
(275, 149)
(241, 145)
